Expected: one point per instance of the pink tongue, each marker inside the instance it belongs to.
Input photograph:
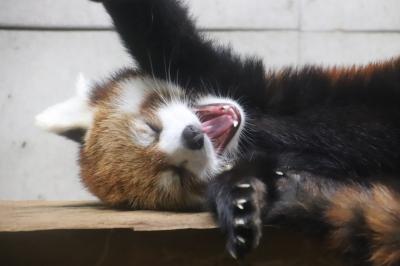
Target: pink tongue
(217, 126)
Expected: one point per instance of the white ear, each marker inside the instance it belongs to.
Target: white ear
(73, 114)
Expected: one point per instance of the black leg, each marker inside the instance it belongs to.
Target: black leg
(238, 204)
(162, 38)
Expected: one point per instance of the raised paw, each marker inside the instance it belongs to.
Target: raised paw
(242, 216)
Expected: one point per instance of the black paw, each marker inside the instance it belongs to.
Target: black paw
(243, 223)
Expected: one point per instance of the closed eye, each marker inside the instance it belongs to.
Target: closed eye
(154, 127)
(143, 134)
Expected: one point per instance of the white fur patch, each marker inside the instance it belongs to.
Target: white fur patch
(133, 91)
(72, 114)
(169, 181)
(174, 118)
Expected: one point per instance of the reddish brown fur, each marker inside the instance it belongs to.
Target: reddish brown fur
(345, 205)
(383, 219)
(120, 172)
(361, 72)
(107, 159)
(104, 92)
(372, 213)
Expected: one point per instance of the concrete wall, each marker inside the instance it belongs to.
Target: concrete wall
(44, 44)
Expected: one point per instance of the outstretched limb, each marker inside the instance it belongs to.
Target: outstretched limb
(238, 204)
(164, 41)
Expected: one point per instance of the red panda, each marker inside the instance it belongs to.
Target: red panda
(146, 144)
(322, 153)
(125, 160)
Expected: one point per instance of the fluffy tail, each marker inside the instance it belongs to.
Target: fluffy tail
(369, 217)
(360, 220)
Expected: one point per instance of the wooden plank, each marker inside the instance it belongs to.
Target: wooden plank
(157, 248)
(19, 216)
(253, 14)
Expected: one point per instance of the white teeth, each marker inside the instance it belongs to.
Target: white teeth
(279, 173)
(235, 123)
(225, 108)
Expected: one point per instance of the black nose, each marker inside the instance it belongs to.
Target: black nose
(193, 137)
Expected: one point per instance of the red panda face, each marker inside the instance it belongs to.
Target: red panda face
(150, 146)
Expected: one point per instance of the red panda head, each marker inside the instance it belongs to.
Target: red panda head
(149, 145)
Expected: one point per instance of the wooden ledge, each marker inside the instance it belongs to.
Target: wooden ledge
(17, 216)
(28, 237)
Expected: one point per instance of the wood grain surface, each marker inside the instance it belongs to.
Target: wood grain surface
(28, 236)
(18, 216)
(124, 247)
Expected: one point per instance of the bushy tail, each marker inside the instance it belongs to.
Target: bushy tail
(359, 219)
(367, 217)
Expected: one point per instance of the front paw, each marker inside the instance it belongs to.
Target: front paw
(239, 213)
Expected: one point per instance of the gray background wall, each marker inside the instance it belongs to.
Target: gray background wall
(44, 44)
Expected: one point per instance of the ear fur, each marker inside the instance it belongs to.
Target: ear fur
(72, 117)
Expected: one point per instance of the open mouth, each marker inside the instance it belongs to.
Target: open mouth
(220, 122)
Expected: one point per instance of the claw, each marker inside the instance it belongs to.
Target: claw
(232, 253)
(243, 185)
(241, 239)
(239, 221)
(240, 206)
(280, 173)
(240, 201)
